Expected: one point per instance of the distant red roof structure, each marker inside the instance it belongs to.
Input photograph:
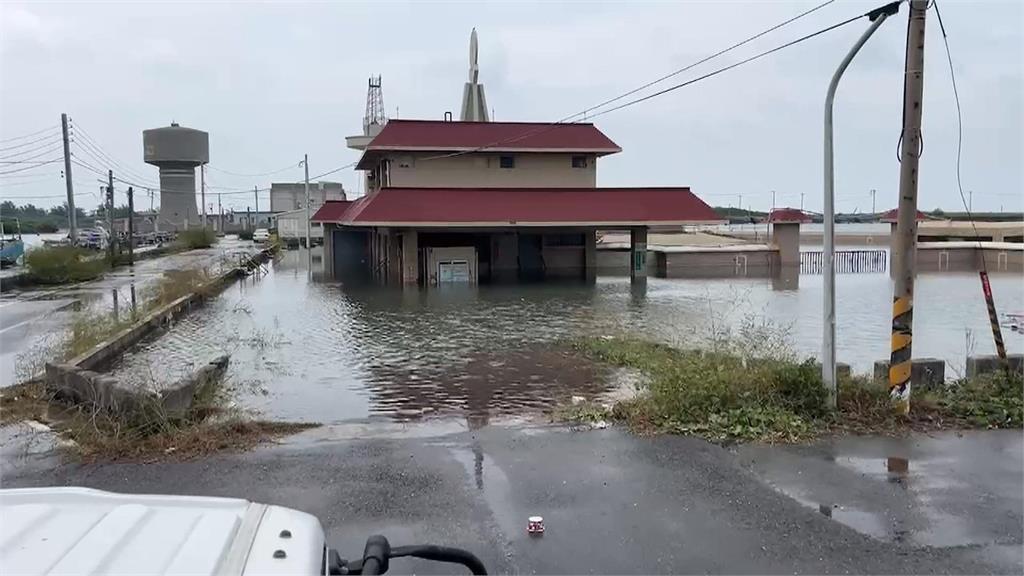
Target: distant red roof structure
(444, 136)
(782, 215)
(468, 207)
(890, 216)
(331, 211)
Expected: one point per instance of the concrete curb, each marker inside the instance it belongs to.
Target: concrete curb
(77, 379)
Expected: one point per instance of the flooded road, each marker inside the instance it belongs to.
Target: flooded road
(34, 320)
(315, 351)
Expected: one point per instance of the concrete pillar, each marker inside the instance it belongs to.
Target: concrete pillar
(329, 249)
(590, 255)
(982, 364)
(638, 254)
(394, 257)
(410, 257)
(786, 236)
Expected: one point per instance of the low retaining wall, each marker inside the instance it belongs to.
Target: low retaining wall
(77, 380)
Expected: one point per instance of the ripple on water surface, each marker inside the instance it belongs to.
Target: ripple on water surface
(323, 352)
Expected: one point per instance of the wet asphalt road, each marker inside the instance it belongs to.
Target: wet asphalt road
(612, 502)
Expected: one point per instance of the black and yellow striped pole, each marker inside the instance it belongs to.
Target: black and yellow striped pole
(993, 319)
(904, 245)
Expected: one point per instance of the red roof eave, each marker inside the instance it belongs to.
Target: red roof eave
(518, 207)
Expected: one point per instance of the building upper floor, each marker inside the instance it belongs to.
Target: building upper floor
(425, 153)
(285, 196)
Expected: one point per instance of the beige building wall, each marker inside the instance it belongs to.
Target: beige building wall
(531, 170)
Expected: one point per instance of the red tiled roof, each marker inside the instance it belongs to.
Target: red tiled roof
(331, 211)
(507, 136)
(788, 215)
(453, 207)
(890, 216)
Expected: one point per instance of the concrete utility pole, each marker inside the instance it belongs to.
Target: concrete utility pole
(773, 199)
(220, 216)
(309, 247)
(970, 200)
(802, 201)
(828, 353)
(72, 215)
(256, 199)
(110, 216)
(131, 226)
(873, 202)
(906, 219)
(202, 189)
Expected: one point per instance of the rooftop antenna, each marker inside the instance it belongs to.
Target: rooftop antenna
(374, 106)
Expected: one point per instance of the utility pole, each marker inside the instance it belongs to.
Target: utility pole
(970, 202)
(131, 226)
(72, 215)
(773, 200)
(248, 220)
(906, 220)
(220, 216)
(873, 202)
(802, 201)
(309, 246)
(256, 200)
(110, 216)
(202, 190)
(740, 207)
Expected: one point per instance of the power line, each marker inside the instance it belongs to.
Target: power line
(563, 122)
(29, 135)
(28, 160)
(51, 142)
(959, 134)
(349, 165)
(731, 66)
(701, 61)
(89, 140)
(31, 167)
(289, 167)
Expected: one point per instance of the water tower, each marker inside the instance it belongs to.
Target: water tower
(177, 151)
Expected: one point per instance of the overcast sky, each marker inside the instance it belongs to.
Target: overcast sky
(270, 82)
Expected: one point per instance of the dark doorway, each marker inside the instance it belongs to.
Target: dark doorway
(531, 257)
(350, 250)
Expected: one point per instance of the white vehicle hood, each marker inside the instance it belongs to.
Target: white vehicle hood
(85, 531)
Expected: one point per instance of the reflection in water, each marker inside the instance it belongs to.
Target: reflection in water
(328, 352)
(788, 278)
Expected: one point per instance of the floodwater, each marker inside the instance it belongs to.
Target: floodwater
(308, 350)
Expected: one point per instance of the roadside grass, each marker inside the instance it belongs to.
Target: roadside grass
(89, 328)
(245, 235)
(723, 393)
(145, 432)
(63, 265)
(196, 238)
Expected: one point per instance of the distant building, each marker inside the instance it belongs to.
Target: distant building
(288, 196)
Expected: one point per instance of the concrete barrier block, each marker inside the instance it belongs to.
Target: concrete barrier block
(982, 364)
(925, 373)
(843, 370)
(177, 399)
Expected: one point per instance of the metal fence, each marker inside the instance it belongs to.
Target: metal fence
(846, 261)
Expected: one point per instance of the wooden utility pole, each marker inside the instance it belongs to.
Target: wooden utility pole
(72, 214)
(131, 226)
(905, 256)
(111, 239)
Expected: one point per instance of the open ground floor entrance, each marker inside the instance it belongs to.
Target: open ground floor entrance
(433, 257)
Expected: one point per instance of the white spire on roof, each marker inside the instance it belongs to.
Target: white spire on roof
(474, 103)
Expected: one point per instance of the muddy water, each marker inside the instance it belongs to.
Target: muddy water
(311, 350)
